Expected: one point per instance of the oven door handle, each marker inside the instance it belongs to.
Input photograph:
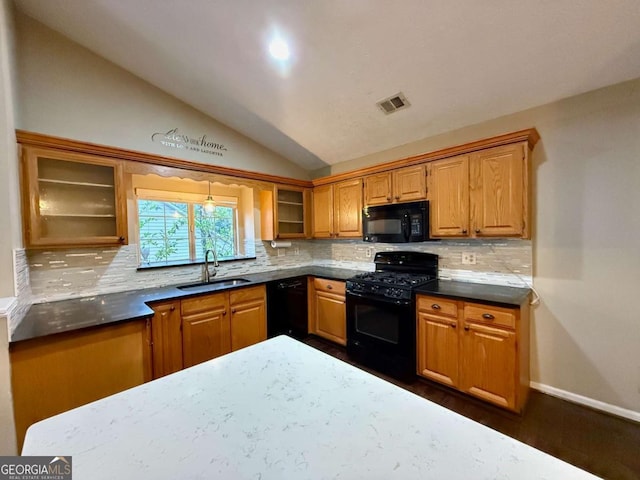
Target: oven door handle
(379, 299)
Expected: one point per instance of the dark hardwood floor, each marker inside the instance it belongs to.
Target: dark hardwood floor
(602, 444)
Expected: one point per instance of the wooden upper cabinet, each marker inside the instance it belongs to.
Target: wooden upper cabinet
(409, 184)
(72, 199)
(323, 211)
(206, 328)
(401, 185)
(337, 210)
(484, 194)
(498, 191)
(347, 208)
(377, 189)
(449, 197)
(284, 212)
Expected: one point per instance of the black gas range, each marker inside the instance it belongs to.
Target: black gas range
(381, 325)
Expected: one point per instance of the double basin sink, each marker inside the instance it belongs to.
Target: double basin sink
(213, 285)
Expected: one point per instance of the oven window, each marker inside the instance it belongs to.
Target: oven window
(378, 323)
(382, 226)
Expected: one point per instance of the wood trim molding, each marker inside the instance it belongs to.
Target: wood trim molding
(530, 135)
(42, 140)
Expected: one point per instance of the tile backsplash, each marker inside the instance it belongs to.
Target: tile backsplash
(63, 274)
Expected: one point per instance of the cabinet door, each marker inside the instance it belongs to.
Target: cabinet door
(166, 333)
(409, 184)
(347, 208)
(377, 189)
(438, 349)
(72, 199)
(489, 364)
(497, 185)
(323, 211)
(449, 197)
(206, 333)
(331, 317)
(248, 316)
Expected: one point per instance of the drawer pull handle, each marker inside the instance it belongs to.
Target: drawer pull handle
(488, 316)
(329, 287)
(435, 306)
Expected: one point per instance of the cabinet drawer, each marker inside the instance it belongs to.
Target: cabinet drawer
(438, 306)
(331, 286)
(489, 315)
(204, 303)
(246, 294)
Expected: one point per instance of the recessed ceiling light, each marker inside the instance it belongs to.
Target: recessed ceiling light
(279, 49)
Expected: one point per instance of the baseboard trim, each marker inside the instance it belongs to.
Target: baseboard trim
(586, 401)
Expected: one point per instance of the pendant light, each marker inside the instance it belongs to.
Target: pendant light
(209, 204)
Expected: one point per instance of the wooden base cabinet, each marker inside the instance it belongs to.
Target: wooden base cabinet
(248, 316)
(482, 350)
(200, 328)
(51, 375)
(206, 328)
(327, 308)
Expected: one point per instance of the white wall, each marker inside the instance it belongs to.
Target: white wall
(586, 332)
(67, 91)
(9, 219)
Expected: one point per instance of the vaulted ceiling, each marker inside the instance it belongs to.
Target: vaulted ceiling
(458, 62)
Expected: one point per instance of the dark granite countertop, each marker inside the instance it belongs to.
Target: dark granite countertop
(44, 319)
(51, 318)
(490, 294)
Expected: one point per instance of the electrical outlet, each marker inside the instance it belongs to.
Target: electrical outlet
(368, 252)
(281, 252)
(468, 258)
(296, 250)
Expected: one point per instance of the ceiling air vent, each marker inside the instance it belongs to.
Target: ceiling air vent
(393, 103)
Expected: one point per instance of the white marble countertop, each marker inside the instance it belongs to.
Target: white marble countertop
(281, 410)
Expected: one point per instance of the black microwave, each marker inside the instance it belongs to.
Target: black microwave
(396, 223)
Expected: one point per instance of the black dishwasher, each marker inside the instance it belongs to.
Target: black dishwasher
(287, 307)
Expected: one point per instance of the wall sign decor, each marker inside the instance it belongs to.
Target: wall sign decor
(174, 139)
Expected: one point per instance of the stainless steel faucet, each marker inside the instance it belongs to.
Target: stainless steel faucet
(207, 273)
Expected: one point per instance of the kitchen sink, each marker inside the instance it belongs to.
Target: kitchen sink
(226, 282)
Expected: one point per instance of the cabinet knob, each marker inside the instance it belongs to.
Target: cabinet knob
(435, 306)
(224, 312)
(329, 287)
(277, 235)
(453, 325)
(477, 230)
(488, 316)
(466, 327)
(233, 310)
(397, 197)
(337, 234)
(388, 199)
(172, 308)
(464, 231)
(121, 239)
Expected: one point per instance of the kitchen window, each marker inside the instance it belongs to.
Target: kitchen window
(174, 232)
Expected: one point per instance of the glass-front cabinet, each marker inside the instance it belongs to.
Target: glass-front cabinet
(72, 199)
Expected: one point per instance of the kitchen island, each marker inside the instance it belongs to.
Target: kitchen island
(277, 410)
